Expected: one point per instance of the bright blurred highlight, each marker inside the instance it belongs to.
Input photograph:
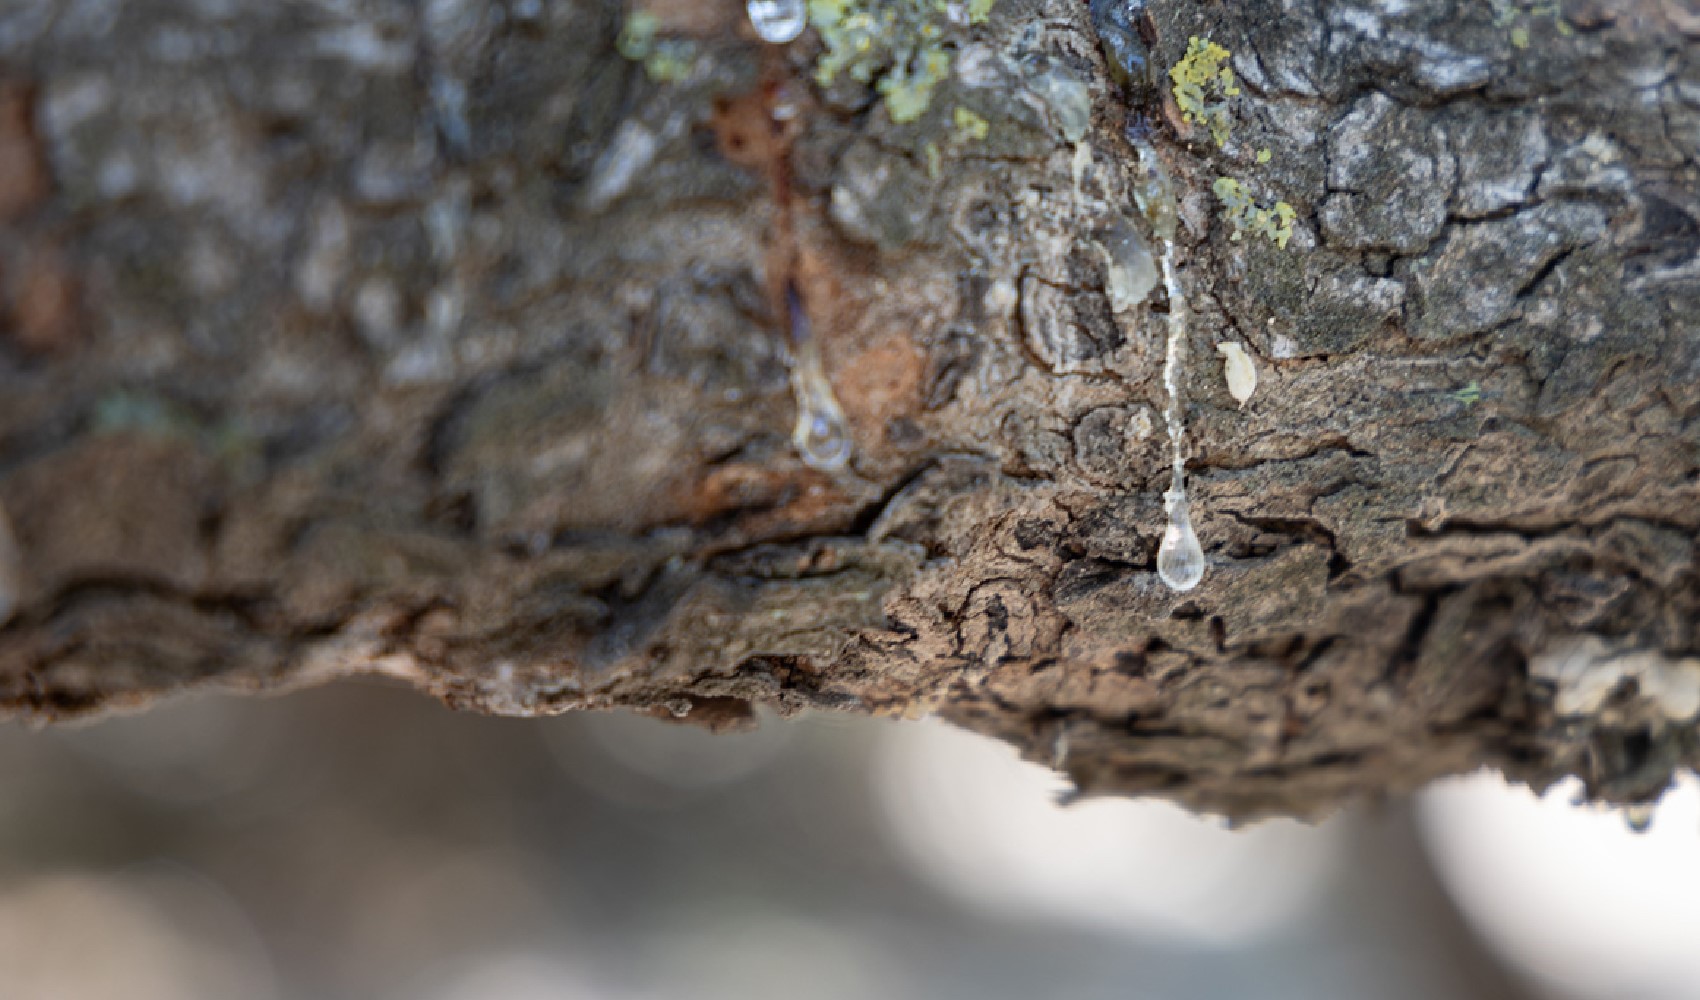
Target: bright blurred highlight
(985, 827)
(646, 763)
(1583, 905)
(160, 932)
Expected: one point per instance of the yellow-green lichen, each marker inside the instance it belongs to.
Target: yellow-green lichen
(1202, 86)
(896, 45)
(1518, 17)
(1246, 215)
(970, 127)
(908, 87)
(665, 60)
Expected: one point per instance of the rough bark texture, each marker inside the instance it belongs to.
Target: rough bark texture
(436, 340)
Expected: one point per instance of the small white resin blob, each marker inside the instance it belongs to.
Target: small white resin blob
(777, 21)
(1239, 371)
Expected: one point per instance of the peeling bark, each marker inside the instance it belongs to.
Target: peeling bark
(437, 341)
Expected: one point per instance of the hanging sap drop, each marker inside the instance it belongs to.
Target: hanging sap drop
(822, 437)
(1131, 272)
(1180, 559)
(777, 21)
(822, 440)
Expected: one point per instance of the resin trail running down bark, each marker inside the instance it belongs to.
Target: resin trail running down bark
(1180, 559)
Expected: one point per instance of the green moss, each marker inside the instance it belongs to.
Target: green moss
(896, 45)
(1203, 85)
(1246, 215)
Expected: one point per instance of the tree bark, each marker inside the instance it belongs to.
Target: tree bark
(440, 341)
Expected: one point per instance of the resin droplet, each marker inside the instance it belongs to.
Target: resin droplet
(777, 21)
(1639, 817)
(1180, 559)
(822, 437)
(1069, 99)
(1131, 272)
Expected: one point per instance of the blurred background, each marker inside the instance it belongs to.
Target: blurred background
(363, 842)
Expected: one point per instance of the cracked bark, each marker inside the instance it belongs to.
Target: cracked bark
(435, 342)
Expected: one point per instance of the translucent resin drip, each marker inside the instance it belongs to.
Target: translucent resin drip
(1130, 273)
(1180, 559)
(777, 21)
(822, 437)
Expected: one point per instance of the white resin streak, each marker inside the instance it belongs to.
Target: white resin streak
(1180, 559)
(1173, 416)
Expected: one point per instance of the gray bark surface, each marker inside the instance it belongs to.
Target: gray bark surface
(435, 340)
